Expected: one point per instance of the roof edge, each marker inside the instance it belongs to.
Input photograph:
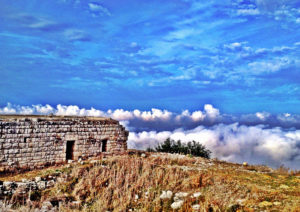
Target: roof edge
(20, 116)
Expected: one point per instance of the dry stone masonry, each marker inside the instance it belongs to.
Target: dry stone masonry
(28, 142)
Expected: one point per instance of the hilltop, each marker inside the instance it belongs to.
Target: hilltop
(138, 181)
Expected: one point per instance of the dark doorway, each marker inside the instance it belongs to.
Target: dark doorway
(70, 150)
(104, 145)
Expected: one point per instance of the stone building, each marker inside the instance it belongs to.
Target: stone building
(28, 142)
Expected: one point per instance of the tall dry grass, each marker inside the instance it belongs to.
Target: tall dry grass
(134, 183)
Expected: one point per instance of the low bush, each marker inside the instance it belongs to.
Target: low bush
(192, 147)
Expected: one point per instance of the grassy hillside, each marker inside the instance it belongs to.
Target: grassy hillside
(135, 183)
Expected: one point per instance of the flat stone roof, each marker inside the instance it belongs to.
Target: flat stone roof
(51, 117)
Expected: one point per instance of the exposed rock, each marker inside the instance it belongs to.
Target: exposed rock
(197, 194)
(282, 186)
(177, 205)
(41, 185)
(240, 201)
(94, 161)
(146, 194)
(46, 206)
(38, 179)
(50, 183)
(265, 204)
(75, 204)
(180, 196)
(166, 195)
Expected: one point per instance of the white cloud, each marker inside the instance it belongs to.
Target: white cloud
(119, 114)
(183, 33)
(211, 112)
(41, 23)
(238, 46)
(9, 109)
(234, 143)
(75, 35)
(133, 44)
(268, 66)
(233, 46)
(95, 7)
(248, 12)
(249, 140)
(262, 115)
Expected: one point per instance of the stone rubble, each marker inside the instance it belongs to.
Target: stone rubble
(10, 188)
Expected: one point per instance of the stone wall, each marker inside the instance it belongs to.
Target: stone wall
(28, 142)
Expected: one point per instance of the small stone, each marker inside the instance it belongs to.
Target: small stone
(93, 161)
(240, 201)
(177, 205)
(75, 204)
(50, 183)
(180, 196)
(41, 185)
(38, 179)
(46, 205)
(166, 195)
(282, 186)
(22, 186)
(265, 204)
(276, 203)
(197, 194)
(136, 197)
(7, 185)
(196, 207)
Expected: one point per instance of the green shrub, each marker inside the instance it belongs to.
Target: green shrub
(192, 148)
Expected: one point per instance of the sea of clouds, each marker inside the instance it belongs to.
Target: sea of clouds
(259, 138)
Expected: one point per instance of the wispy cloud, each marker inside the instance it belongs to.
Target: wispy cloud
(248, 11)
(76, 35)
(98, 9)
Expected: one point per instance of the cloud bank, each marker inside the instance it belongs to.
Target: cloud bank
(260, 138)
(235, 143)
(164, 120)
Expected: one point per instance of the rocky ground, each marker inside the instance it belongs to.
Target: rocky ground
(152, 182)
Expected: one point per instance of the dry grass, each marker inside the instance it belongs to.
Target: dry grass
(121, 183)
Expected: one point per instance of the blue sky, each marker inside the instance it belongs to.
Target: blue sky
(240, 56)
